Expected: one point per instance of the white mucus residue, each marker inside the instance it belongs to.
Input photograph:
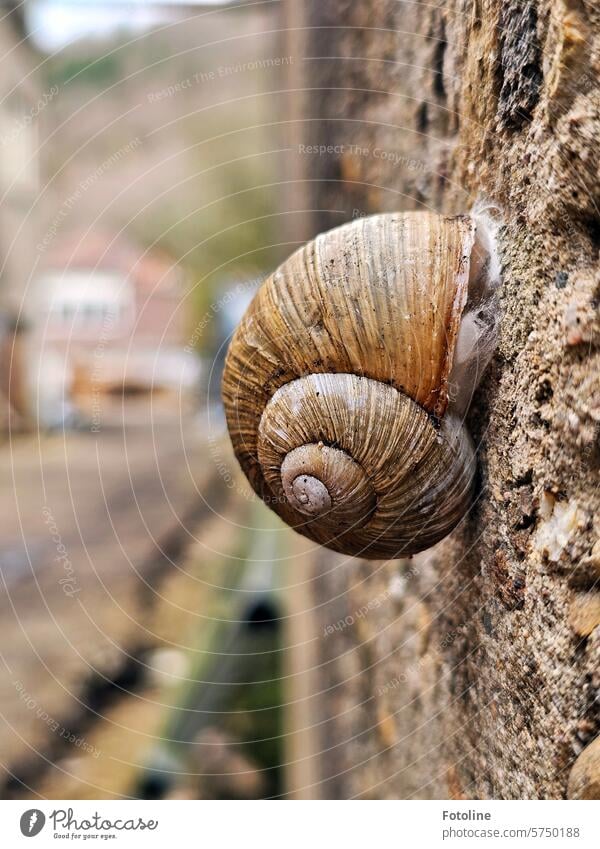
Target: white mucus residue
(559, 523)
(397, 587)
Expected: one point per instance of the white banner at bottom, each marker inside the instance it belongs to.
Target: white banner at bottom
(301, 825)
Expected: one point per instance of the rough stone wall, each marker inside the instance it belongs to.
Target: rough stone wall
(472, 670)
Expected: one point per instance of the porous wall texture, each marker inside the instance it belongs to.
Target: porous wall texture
(472, 671)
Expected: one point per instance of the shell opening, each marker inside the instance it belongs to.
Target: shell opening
(478, 330)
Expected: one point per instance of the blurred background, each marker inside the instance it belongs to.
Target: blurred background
(147, 600)
(162, 635)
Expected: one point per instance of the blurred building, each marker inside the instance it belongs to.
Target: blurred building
(108, 320)
(21, 103)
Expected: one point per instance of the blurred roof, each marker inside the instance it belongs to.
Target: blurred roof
(103, 250)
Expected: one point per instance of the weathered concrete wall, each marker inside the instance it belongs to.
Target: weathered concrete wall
(472, 671)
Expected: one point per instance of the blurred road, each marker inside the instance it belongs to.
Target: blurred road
(89, 522)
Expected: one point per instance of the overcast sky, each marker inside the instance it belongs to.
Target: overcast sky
(55, 23)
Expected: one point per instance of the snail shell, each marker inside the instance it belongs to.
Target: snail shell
(336, 385)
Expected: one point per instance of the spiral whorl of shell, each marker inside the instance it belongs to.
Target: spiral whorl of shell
(336, 385)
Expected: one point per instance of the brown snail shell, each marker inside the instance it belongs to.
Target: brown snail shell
(336, 385)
